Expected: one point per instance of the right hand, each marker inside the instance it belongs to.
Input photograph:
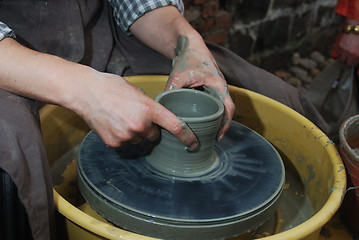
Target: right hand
(193, 69)
(119, 113)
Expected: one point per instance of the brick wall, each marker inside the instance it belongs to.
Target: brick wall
(266, 32)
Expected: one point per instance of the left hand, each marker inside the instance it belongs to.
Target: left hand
(348, 48)
(193, 68)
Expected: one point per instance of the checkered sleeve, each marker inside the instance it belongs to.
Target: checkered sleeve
(5, 31)
(127, 12)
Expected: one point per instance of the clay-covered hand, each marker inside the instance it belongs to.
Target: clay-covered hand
(348, 48)
(119, 113)
(195, 67)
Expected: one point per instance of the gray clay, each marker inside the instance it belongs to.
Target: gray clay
(203, 114)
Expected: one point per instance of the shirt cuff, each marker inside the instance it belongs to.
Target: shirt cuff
(348, 8)
(126, 14)
(5, 31)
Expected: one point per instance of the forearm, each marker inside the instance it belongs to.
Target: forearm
(351, 21)
(39, 76)
(160, 29)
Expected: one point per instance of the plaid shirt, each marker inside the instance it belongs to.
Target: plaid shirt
(125, 13)
(5, 31)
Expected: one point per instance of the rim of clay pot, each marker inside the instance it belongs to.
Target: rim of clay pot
(215, 115)
(346, 131)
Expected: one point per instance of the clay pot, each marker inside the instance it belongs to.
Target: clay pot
(203, 114)
(349, 151)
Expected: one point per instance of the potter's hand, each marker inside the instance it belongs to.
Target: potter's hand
(119, 112)
(194, 67)
(348, 48)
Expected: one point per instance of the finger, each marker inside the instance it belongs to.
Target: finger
(182, 80)
(343, 58)
(136, 140)
(173, 81)
(229, 109)
(112, 142)
(175, 126)
(152, 133)
(221, 92)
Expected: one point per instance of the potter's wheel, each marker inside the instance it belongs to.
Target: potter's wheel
(234, 198)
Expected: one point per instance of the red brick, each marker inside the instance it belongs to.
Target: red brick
(204, 25)
(186, 3)
(199, 2)
(210, 9)
(216, 37)
(192, 14)
(223, 20)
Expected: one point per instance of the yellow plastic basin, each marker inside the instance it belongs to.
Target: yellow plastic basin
(299, 142)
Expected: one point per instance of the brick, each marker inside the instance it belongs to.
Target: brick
(199, 2)
(223, 20)
(210, 9)
(230, 6)
(273, 33)
(324, 39)
(275, 60)
(216, 37)
(300, 26)
(325, 15)
(278, 4)
(241, 44)
(192, 14)
(186, 3)
(282, 74)
(204, 25)
(252, 10)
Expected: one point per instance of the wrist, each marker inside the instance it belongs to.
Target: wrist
(351, 21)
(351, 26)
(348, 29)
(78, 87)
(196, 44)
(186, 39)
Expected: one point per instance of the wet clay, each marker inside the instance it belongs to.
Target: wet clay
(203, 114)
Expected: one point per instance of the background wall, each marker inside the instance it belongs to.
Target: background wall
(266, 32)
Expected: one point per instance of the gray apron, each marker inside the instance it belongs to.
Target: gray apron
(78, 31)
